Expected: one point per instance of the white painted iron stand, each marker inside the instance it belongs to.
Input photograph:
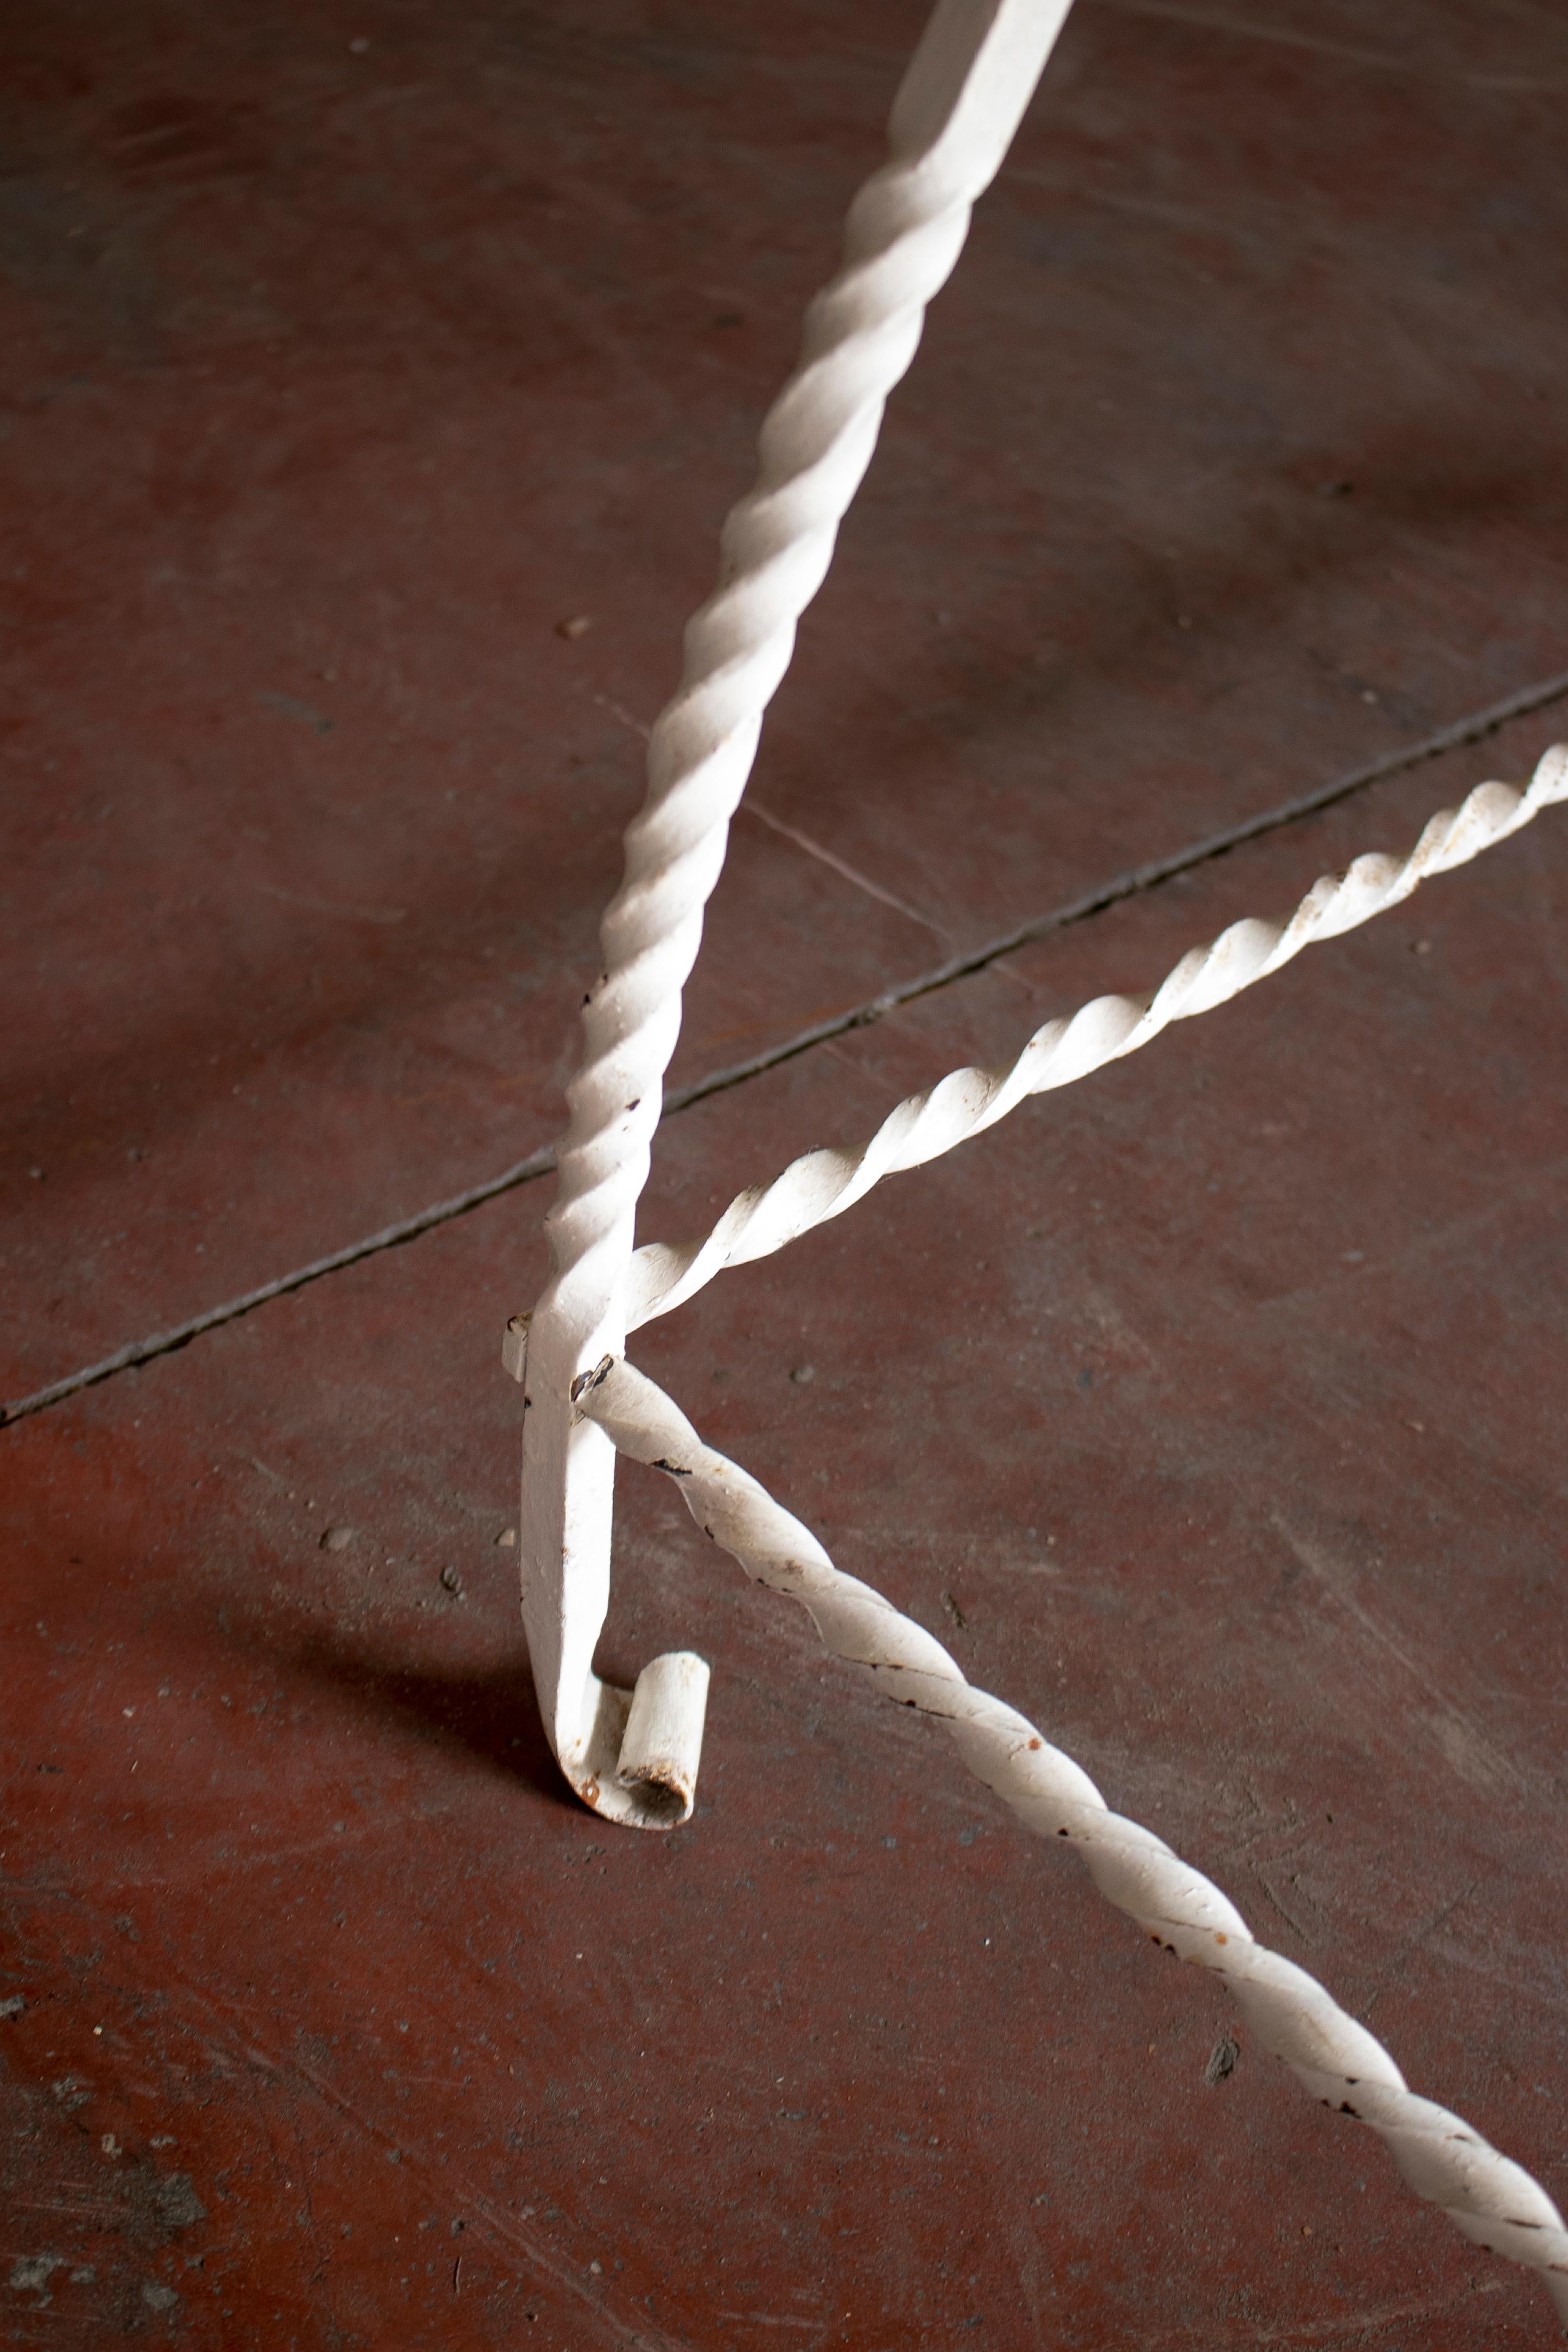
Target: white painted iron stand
(633, 1756)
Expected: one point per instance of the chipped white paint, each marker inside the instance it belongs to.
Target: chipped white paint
(822, 1184)
(633, 1756)
(514, 1347)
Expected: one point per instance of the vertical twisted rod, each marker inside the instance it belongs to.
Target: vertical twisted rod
(956, 112)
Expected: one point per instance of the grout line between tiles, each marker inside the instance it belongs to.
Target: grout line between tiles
(1129, 884)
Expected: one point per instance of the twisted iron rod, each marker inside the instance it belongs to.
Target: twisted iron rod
(1494, 2201)
(823, 1184)
(957, 108)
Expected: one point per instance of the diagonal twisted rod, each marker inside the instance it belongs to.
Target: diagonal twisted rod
(954, 116)
(822, 1184)
(1493, 2199)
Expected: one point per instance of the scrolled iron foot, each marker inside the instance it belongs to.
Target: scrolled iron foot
(631, 1756)
(639, 1750)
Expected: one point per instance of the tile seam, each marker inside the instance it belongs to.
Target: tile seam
(1133, 882)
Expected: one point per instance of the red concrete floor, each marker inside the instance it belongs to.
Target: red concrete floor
(1211, 1412)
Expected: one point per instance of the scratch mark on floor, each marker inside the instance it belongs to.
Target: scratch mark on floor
(767, 2319)
(337, 906)
(1413, 69)
(1417, 1937)
(841, 866)
(1319, 2331)
(1462, 1744)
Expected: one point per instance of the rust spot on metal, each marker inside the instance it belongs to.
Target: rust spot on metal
(663, 1794)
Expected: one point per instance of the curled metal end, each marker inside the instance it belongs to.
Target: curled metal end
(639, 1763)
(662, 1742)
